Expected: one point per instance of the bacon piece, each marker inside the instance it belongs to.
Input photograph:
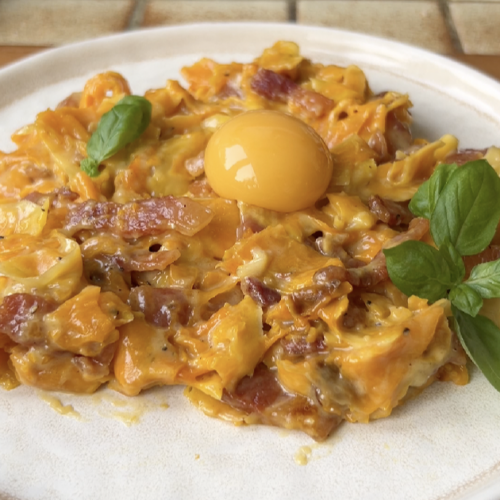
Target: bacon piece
(378, 143)
(370, 275)
(55, 197)
(273, 86)
(313, 104)
(20, 317)
(101, 270)
(366, 276)
(397, 133)
(308, 298)
(416, 231)
(257, 392)
(263, 397)
(390, 212)
(330, 274)
(139, 218)
(297, 345)
(488, 255)
(162, 307)
(260, 293)
(146, 261)
(96, 367)
(276, 87)
(462, 156)
(322, 247)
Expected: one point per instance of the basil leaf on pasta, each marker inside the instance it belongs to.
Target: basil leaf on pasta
(467, 211)
(425, 199)
(466, 299)
(121, 125)
(419, 269)
(485, 279)
(480, 338)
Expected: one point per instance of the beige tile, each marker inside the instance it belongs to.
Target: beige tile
(52, 22)
(161, 12)
(418, 23)
(478, 27)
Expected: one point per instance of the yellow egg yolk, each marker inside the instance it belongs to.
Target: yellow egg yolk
(269, 159)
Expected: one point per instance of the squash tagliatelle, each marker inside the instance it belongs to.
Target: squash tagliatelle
(143, 276)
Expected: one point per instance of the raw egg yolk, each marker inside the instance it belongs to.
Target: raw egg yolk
(269, 159)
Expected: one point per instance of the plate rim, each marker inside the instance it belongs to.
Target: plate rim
(23, 67)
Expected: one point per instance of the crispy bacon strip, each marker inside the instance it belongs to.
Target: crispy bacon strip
(276, 87)
(462, 156)
(397, 133)
(55, 197)
(260, 293)
(390, 212)
(162, 307)
(416, 231)
(273, 86)
(297, 345)
(146, 261)
(139, 218)
(262, 396)
(21, 314)
(101, 270)
(307, 299)
(257, 392)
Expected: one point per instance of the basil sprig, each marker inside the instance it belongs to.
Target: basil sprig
(121, 125)
(463, 206)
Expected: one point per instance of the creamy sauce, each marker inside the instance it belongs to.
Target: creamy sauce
(315, 451)
(57, 405)
(129, 411)
(303, 455)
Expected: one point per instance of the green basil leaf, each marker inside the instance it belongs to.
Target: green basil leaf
(425, 199)
(467, 211)
(121, 125)
(481, 340)
(419, 269)
(485, 279)
(90, 167)
(134, 100)
(466, 299)
(454, 261)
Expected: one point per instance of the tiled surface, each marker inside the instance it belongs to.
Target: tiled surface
(54, 22)
(167, 12)
(450, 27)
(478, 28)
(419, 23)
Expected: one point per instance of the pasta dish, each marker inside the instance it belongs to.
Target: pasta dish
(169, 261)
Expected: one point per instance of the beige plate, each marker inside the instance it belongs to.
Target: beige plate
(444, 445)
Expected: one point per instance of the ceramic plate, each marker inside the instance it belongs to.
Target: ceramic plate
(445, 445)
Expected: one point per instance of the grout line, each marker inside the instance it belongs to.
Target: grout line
(452, 30)
(137, 15)
(292, 11)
